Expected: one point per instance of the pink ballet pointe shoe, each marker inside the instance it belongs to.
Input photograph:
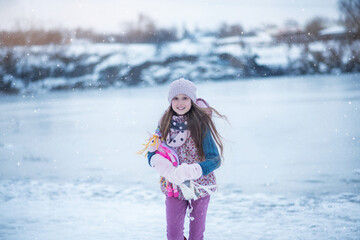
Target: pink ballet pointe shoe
(170, 194)
(169, 191)
(176, 193)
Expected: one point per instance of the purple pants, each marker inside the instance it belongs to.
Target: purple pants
(175, 217)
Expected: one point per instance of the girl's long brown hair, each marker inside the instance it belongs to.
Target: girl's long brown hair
(199, 121)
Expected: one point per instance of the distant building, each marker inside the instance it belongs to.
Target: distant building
(291, 35)
(333, 33)
(258, 39)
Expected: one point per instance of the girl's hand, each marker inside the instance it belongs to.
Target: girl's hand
(186, 172)
(162, 165)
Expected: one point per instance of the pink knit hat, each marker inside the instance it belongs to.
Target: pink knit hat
(182, 86)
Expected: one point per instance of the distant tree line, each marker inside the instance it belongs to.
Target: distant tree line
(32, 37)
(349, 18)
(144, 30)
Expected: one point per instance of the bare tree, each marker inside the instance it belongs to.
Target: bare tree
(350, 14)
(315, 25)
(145, 30)
(230, 30)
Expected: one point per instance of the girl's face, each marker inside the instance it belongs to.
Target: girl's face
(181, 104)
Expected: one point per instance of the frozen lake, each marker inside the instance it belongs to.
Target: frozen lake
(69, 169)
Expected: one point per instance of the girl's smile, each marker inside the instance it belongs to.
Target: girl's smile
(181, 104)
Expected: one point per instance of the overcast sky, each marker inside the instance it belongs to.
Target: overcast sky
(110, 15)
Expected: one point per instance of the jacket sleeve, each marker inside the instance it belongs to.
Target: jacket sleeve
(212, 157)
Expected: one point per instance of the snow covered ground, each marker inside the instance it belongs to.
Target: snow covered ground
(69, 168)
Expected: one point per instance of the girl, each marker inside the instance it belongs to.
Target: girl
(190, 131)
